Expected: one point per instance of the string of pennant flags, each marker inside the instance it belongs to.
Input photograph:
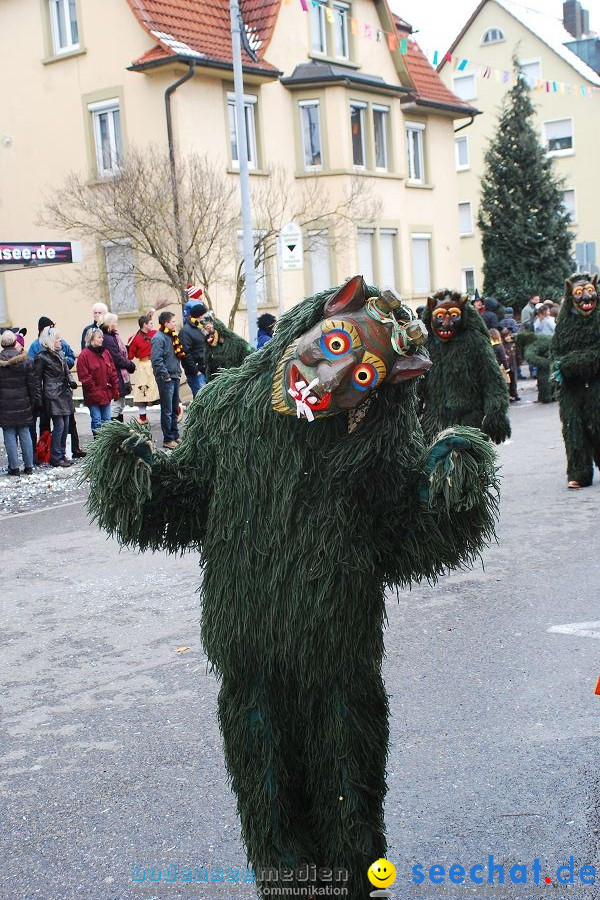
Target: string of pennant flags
(359, 28)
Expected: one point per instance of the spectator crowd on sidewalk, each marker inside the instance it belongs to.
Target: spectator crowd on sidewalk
(37, 411)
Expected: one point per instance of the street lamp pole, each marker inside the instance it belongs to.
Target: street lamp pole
(242, 142)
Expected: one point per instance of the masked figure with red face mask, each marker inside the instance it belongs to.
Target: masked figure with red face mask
(304, 481)
(575, 351)
(465, 385)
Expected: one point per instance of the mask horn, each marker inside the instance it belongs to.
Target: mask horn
(350, 297)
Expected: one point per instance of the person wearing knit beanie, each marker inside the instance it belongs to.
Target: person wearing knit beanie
(194, 292)
(16, 413)
(8, 339)
(197, 310)
(193, 342)
(44, 322)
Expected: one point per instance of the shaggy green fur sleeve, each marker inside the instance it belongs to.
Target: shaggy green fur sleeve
(450, 514)
(146, 499)
(580, 363)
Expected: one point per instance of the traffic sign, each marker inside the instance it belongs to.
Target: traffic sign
(291, 247)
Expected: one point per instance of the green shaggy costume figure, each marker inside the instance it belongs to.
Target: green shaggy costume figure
(465, 385)
(576, 370)
(537, 353)
(224, 348)
(304, 482)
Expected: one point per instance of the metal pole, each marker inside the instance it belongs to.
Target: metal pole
(238, 81)
(174, 188)
(279, 278)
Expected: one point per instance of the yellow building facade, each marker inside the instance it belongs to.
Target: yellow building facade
(334, 92)
(566, 97)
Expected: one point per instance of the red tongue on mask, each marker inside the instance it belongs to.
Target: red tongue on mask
(323, 402)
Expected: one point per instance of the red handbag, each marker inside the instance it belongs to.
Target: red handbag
(42, 448)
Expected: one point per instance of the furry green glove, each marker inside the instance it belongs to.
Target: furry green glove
(496, 425)
(458, 468)
(140, 445)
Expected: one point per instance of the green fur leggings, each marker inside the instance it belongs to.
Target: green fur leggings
(580, 416)
(308, 769)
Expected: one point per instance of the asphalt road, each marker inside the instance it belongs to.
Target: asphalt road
(110, 753)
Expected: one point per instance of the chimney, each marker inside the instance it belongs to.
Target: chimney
(575, 19)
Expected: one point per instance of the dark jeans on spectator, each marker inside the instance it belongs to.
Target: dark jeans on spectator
(58, 445)
(196, 382)
(169, 408)
(44, 425)
(10, 442)
(99, 415)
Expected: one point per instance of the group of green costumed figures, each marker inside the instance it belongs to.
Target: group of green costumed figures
(311, 479)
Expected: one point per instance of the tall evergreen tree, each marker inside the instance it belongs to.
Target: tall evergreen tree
(526, 242)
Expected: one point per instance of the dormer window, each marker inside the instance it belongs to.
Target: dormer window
(330, 28)
(493, 36)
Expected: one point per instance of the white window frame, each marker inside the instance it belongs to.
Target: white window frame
(566, 151)
(304, 104)
(427, 237)
(463, 78)
(417, 128)
(573, 213)
(493, 40)
(462, 167)
(250, 103)
(385, 283)
(56, 8)
(385, 118)
(524, 63)
(318, 26)
(106, 107)
(341, 14)
(120, 282)
(358, 104)
(369, 233)
(319, 243)
(465, 286)
(465, 203)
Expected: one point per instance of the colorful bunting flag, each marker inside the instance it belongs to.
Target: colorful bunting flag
(395, 43)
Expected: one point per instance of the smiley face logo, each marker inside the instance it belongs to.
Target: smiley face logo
(381, 873)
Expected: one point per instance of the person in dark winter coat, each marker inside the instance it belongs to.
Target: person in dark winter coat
(35, 348)
(266, 324)
(99, 310)
(464, 385)
(166, 355)
(98, 376)
(489, 315)
(194, 343)
(195, 297)
(17, 396)
(509, 321)
(54, 392)
(123, 365)
(510, 349)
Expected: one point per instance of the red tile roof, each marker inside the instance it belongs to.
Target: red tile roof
(200, 29)
(428, 84)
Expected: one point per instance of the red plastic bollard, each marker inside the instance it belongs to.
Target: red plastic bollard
(597, 691)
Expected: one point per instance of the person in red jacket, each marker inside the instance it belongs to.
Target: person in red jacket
(139, 348)
(98, 376)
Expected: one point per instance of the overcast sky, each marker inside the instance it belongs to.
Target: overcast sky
(439, 21)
